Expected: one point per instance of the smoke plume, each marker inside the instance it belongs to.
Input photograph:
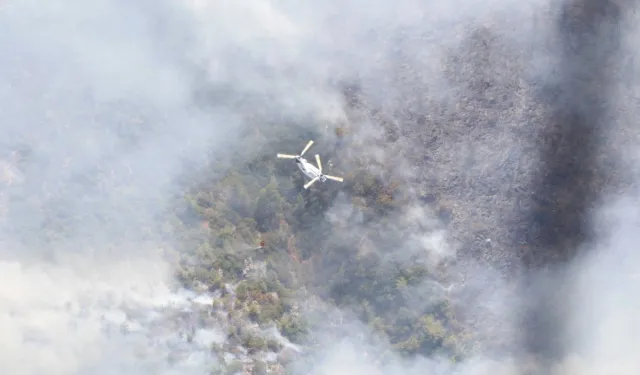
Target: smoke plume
(513, 137)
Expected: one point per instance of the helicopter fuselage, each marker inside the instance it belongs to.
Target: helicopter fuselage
(309, 169)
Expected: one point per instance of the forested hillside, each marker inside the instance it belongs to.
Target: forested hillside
(486, 223)
(277, 254)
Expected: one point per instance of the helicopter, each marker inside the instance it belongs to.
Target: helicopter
(310, 170)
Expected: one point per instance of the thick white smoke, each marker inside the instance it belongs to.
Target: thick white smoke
(98, 121)
(104, 104)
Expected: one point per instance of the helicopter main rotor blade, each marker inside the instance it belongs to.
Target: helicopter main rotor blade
(306, 186)
(306, 148)
(319, 163)
(334, 178)
(286, 156)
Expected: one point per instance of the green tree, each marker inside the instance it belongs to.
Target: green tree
(268, 208)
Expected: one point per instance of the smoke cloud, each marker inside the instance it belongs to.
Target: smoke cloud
(99, 124)
(109, 109)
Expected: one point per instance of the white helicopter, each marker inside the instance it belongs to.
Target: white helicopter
(310, 170)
